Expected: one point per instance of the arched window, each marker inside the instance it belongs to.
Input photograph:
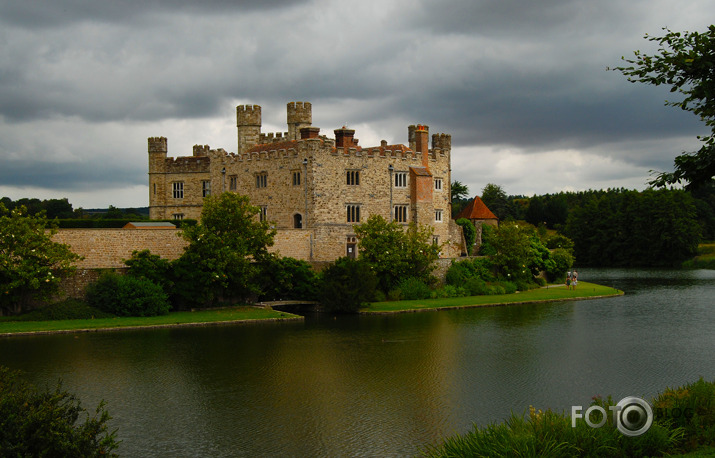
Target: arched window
(298, 221)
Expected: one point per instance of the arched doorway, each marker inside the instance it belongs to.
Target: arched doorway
(298, 221)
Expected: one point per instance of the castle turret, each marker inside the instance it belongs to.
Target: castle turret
(248, 122)
(300, 114)
(157, 147)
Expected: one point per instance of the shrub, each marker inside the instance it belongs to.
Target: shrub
(523, 285)
(287, 278)
(475, 286)
(69, 309)
(414, 288)
(124, 295)
(561, 263)
(34, 423)
(459, 272)
(496, 289)
(152, 267)
(394, 295)
(509, 287)
(541, 281)
(346, 285)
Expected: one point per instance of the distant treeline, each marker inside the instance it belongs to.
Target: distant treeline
(617, 227)
(62, 209)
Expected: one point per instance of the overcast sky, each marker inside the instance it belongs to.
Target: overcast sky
(520, 85)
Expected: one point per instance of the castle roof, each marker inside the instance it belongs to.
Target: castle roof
(272, 146)
(476, 209)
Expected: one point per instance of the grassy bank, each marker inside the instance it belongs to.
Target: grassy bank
(550, 433)
(705, 258)
(202, 317)
(553, 293)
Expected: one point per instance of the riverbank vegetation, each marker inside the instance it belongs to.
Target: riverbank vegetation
(546, 294)
(684, 422)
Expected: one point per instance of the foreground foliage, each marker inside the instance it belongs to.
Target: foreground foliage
(550, 433)
(124, 295)
(684, 61)
(52, 423)
(347, 285)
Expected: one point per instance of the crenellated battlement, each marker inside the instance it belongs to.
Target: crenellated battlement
(300, 112)
(201, 150)
(248, 115)
(157, 144)
(272, 137)
(442, 141)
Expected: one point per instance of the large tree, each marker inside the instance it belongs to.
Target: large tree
(685, 62)
(395, 253)
(31, 264)
(497, 201)
(224, 251)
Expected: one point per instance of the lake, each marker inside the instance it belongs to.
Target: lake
(380, 385)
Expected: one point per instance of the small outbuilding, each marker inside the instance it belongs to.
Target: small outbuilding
(477, 212)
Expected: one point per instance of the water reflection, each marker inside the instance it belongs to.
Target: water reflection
(377, 385)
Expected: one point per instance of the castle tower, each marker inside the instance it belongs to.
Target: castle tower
(157, 148)
(248, 123)
(300, 114)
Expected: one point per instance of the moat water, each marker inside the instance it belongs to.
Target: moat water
(380, 385)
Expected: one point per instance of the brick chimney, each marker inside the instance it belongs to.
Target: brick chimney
(344, 137)
(422, 143)
(309, 132)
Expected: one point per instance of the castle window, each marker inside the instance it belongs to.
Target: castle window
(297, 221)
(353, 213)
(178, 189)
(435, 240)
(353, 177)
(232, 182)
(262, 180)
(438, 216)
(400, 179)
(206, 188)
(296, 178)
(401, 213)
(263, 215)
(437, 184)
(154, 188)
(178, 216)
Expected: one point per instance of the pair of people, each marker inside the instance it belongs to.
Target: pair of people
(572, 279)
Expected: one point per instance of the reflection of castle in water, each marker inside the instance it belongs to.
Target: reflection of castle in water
(314, 189)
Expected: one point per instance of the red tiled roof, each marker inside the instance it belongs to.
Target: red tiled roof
(476, 210)
(272, 146)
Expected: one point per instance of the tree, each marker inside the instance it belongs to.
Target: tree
(224, 251)
(395, 254)
(31, 264)
(346, 285)
(459, 193)
(496, 200)
(686, 62)
(34, 423)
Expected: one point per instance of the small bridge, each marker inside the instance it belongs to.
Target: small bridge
(287, 304)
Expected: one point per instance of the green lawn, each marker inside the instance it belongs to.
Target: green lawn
(231, 314)
(553, 293)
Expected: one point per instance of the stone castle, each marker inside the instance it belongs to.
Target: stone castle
(313, 189)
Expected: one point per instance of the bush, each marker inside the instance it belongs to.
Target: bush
(394, 295)
(152, 267)
(562, 260)
(541, 281)
(496, 289)
(509, 287)
(523, 285)
(346, 285)
(33, 423)
(70, 309)
(475, 286)
(414, 288)
(124, 295)
(287, 278)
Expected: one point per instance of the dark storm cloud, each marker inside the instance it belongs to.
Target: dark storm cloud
(523, 79)
(36, 15)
